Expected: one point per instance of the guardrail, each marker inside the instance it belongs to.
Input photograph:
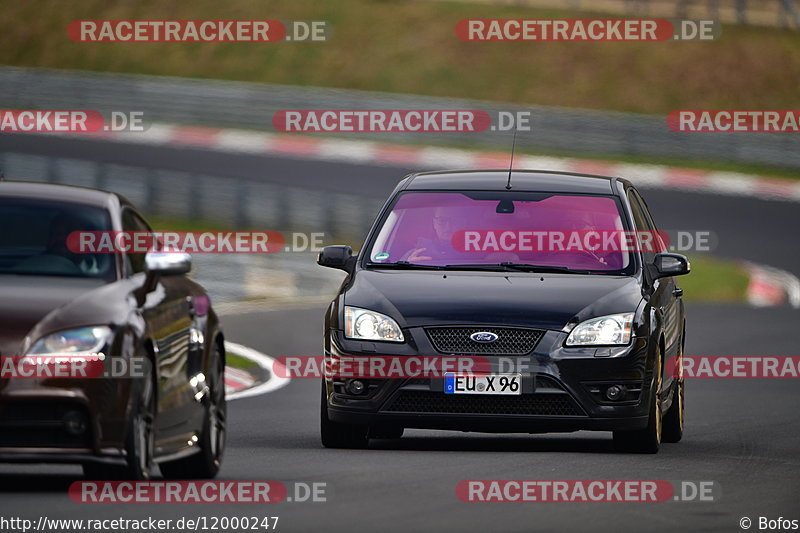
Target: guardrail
(233, 201)
(577, 132)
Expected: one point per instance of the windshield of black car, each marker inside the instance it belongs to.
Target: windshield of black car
(553, 231)
(34, 239)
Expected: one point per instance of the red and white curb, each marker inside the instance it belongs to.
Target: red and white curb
(771, 287)
(380, 153)
(240, 384)
(237, 379)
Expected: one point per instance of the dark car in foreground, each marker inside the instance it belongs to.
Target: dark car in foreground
(452, 267)
(159, 398)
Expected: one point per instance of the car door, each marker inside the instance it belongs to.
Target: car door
(666, 294)
(167, 313)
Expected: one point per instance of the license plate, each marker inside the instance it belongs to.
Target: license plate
(486, 384)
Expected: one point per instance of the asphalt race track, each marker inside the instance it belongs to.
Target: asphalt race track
(739, 432)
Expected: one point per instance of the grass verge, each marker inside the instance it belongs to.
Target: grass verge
(713, 279)
(237, 361)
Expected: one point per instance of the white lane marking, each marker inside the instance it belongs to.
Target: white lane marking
(274, 382)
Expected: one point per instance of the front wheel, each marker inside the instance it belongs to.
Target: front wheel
(206, 463)
(336, 435)
(140, 439)
(647, 440)
(673, 418)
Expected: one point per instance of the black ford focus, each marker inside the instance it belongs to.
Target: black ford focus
(559, 282)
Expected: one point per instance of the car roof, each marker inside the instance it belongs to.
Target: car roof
(521, 180)
(60, 193)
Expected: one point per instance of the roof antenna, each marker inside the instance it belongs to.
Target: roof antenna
(511, 164)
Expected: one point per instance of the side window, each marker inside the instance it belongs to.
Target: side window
(642, 224)
(133, 222)
(648, 215)
(659, 244)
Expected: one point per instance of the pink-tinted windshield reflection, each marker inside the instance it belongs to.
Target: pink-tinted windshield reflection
(454, 229)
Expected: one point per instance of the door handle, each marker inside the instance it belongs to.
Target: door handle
(677, 292)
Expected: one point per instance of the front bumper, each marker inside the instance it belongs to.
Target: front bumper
(63, 420)
(562, 390)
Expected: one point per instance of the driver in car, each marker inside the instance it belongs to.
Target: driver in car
(60, 228)
(446, 221)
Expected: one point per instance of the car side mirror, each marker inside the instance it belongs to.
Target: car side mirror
(340, 257)
(666, 264)
(158, 264)
(167, 263)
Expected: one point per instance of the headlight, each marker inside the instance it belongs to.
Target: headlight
(369, 325)
(73, 341)
(603, 330)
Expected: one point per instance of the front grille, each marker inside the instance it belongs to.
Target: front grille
(416, 401)
(41, 425)
(510, 341)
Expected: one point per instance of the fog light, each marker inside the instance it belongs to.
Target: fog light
(356, 387)
(74, 423)
(615, 392)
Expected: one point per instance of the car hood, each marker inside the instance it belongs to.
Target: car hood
(26, 300)
(549, 301)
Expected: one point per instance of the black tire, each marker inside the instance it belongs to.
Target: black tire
(648, 439)
(206, 463)
(674, 417)
(139, 440)
(335, 435)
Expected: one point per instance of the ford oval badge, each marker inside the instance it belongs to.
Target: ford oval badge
(484, 337)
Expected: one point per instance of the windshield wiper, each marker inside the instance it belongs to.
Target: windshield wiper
(520, 267)
(405, 265)
(495, 267)
(478, 266)
(544, 269)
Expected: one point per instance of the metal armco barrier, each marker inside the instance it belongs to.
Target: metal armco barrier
(577, 132)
